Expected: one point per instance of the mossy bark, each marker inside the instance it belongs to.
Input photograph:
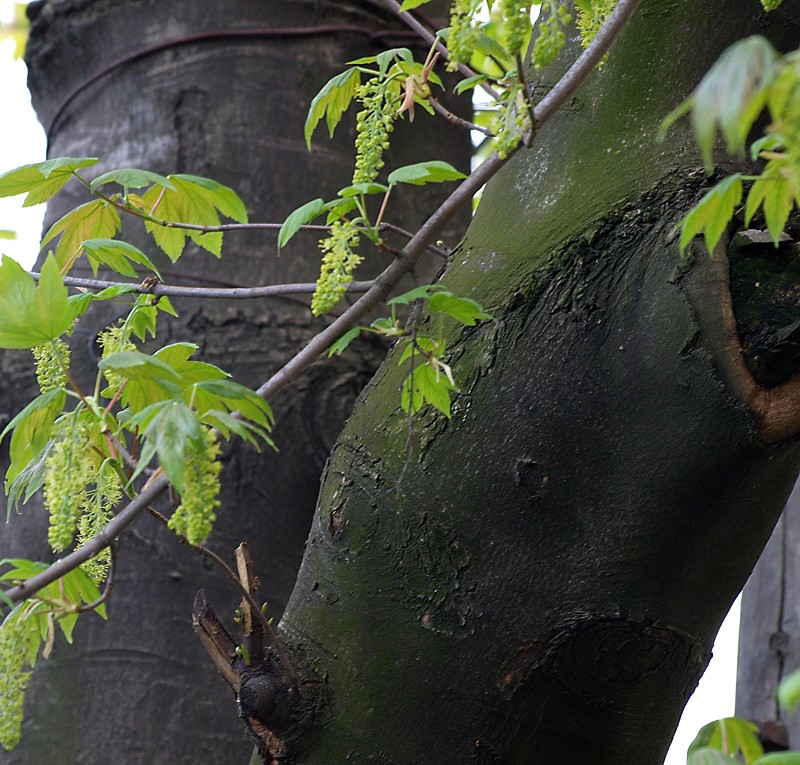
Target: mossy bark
(540, 578)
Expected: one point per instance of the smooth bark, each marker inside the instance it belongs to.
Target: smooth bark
(141, 689)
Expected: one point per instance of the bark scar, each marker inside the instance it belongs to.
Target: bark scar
(776, 409)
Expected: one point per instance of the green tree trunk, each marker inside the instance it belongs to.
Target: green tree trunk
(541, 580)
(229, 106)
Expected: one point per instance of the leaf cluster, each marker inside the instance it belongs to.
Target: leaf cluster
(749, 77)
(429, 379)
(175, 209)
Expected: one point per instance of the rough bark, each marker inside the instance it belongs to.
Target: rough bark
(140, 689)
(542, 580)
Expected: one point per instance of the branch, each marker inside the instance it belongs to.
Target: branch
(455, 119)
(92, 547)
(272, 290)
(381, 288)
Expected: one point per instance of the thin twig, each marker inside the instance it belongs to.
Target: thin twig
(439, 108)
(430, 38)
(272, 290)
(383, 285)
(437, 249)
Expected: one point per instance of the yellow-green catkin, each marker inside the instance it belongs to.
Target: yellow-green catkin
(14, 655)
(512, 121)
(516, 24)
(339, 260)
(374, 123)
(69, 468)
(52, 362)
(195, 516)
(114, 339)
(463, 33)
(589, 22)
(96, 513)
(770, 5)
(551, 37)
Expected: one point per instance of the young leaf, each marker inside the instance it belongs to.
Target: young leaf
(777, 194)
(177, 356)
(79, 588)
(223, 198)
(362, 188)
(789, 691)
(226, 395)
(338, 347)
(765, 143)
(709, 756)
(418, 293)
(339, 208)
(93, 220)
(731, 96)
(29, 481)
(492, 49)
(300, 217)
(81, 302)
(117, 255)
(32, 315)
(176, 434)
(41, 180)
(385, 58)
(332, 102)
(31, 431)
(149, 379)
(712, 213)
(411, 4)
(131, 178)
(421, 173)
(423, 386)
(142, 321)
(466, 311)
(135, 365)
(424, 344)
(194, 200)
(779, 758)
(470, 82)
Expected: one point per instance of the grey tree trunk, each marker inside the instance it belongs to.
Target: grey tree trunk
(219, 89)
